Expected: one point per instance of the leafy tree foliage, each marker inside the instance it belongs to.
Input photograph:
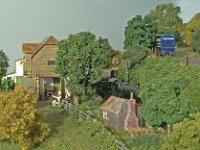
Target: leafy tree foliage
(185, 135)
(135, 54)
(188, 28)
(168, 89)
(165, 105)
(3, 65)
(19, 120)
(165, 17)
(7, 85)
(81, 58)
(132, 55)
(116, 58)
(121, 70)
(139, 31)
(196, 39)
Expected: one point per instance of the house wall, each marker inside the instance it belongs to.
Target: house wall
(27, 62)
(19, 68)
(28, 83)
(40, 61)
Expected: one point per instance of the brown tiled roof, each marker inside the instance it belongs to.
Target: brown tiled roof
(114, 104)
(30, 48)
(33, 48)
(50, 40)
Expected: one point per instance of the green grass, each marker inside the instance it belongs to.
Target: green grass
(67, 132)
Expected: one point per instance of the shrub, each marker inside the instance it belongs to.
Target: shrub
(19, 121)
(195, 39)
(146, 142)
(185, 135)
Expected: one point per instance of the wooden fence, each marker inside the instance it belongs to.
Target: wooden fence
(86, 116)
(189, 60)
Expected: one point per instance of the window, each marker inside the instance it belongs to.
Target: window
(51, 62)
(105, 115)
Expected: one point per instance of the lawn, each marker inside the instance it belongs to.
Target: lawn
(67, 132)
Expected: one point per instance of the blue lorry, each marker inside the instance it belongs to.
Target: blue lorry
(166, 44)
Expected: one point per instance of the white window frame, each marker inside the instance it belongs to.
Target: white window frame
(105, 115)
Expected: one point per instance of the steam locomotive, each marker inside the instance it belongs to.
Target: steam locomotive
(110, 86)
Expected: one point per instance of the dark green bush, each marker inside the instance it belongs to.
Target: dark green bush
(7, 85)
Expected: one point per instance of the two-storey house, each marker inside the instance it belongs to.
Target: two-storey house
(39, 66)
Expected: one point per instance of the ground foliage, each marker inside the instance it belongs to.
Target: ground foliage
(144, 142)
(185, 135)
(100, 134)
(80, 59)
(168, 90)
(68, 132)
(19, 121)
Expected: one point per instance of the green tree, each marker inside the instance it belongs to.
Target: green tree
(80, 59)
(139, 31)
(19, 120)
(188, 28)
(168, 89)
(7, 85)
(166, 18)
(135, 54)
(3, 65)
(131, 56)
(196, 39)
(121, 71)
(165, 104)
(116, 58)
(185, 135)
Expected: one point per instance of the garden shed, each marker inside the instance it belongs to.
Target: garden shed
(113, 112)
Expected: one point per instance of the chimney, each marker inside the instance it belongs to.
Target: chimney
(131, 119)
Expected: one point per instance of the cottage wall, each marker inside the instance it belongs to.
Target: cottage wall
(114, 120)
(111, 118)
(120, 118)
(116, 109)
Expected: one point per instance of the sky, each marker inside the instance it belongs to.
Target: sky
(31, 21)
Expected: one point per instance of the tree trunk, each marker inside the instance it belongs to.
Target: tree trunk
(168, 129)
